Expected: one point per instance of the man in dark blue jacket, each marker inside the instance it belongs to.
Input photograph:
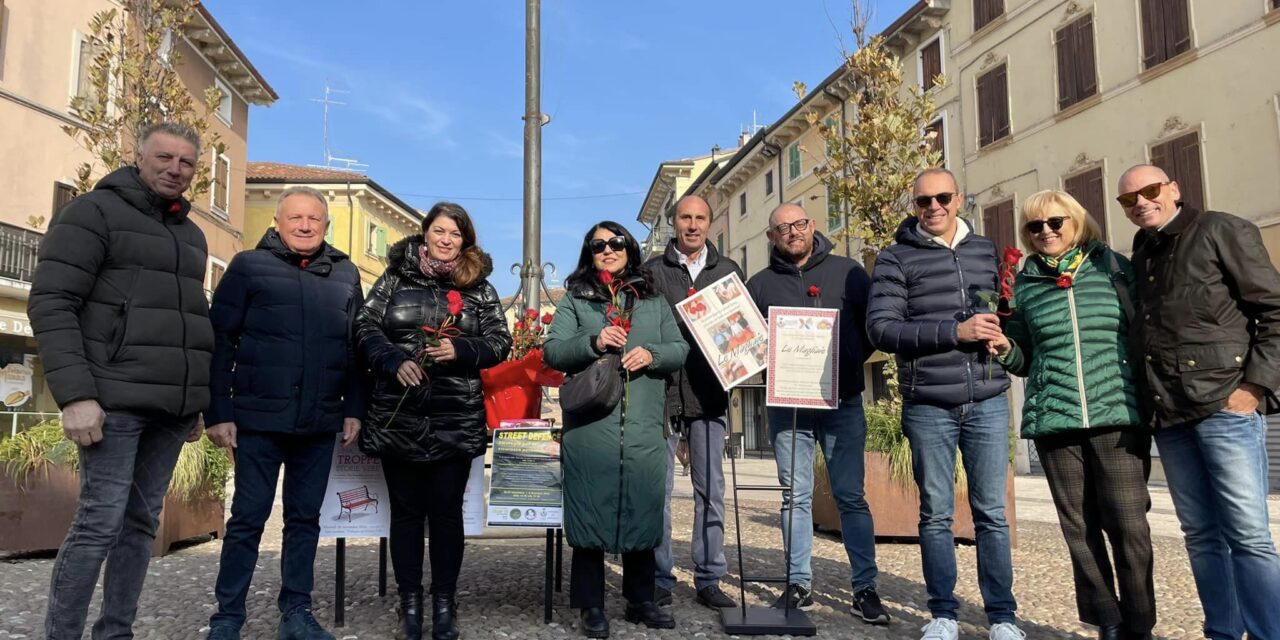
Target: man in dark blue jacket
(925, 308)
(284, 381)
(803, 272)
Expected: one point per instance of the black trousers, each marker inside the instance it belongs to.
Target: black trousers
(426, 495)
(1099, 485)
(586, 578)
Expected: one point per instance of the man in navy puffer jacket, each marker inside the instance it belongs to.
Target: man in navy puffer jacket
(284, 382)
(925, 308)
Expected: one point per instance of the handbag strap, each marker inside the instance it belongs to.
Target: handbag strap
(1121, 283)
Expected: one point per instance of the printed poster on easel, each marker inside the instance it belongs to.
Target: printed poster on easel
(524, 480)
(728, 328)
(356, 503)
(803, 365)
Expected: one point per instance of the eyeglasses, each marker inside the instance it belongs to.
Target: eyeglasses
(1150, 192)
(617, 243)
(786, 227)
(943, 199)
(1037, 226)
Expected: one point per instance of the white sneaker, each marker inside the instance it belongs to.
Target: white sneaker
(1006, 631)
(941, 629)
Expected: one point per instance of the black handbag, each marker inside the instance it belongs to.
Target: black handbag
(594, 391)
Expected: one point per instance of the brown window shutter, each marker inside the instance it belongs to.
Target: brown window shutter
(1086, 73)
(993, 105)
(1087, 188)
(985, 132)
(1064, 43)
(984, 11)
(1001, 98)
(1152, 33)
(1178, 25)
(938, 143)
(998, 223)
(1187, 159)
(931, 63)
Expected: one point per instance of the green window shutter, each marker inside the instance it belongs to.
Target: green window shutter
(380, 242)
(328, 233)
(834, 220)
(793, 162)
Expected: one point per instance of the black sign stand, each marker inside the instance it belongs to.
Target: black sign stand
(755, 620)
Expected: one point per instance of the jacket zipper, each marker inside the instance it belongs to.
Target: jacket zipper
(177, 278)
(303, 322)
(1075, 335)
(622, 455)
(964, 304)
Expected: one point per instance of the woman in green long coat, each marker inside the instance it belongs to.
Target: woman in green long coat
(1068, 337)
(615, 467)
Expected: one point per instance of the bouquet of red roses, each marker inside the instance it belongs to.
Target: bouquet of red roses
(431, 337)
(513, 389)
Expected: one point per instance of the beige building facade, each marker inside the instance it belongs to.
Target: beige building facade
(43, 63)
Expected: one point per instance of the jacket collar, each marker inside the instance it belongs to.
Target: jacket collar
(402, 258)
(320, 263)
(908, 235)
(127, 183)
(1181, 221)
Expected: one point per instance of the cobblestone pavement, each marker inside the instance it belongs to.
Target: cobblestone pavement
(501, 584)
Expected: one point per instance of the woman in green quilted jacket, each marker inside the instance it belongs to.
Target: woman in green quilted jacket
(615, 466)
(1067, 337)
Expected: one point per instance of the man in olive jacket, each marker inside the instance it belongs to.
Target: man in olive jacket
(696, 406)
(285, 380)
(1208, 338)
(122, 325)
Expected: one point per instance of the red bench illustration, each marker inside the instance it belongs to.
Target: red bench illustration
(352, 498)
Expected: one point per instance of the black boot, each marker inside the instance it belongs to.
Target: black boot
(650, 615)
(444, 617)
(1110, 632)
(594, 623)
(410, 615)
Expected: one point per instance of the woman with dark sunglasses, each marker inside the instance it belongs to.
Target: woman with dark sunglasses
(1068, 337)
(615, 466)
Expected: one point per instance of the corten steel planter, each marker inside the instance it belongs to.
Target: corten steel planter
(895, 507)
(37, 519)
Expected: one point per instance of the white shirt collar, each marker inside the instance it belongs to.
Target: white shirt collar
(1171, 218)
(962, 231)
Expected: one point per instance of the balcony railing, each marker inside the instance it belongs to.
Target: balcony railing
(18, 248)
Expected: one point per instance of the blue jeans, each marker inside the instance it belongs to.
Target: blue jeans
(981, 431)
(842, 434)
(259, 456)
(123, 479)
(706, 462)
(1217, 473)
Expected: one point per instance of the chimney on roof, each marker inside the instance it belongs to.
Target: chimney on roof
(743, 137)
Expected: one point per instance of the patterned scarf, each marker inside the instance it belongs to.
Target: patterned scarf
(432, 268)
(1066, 263)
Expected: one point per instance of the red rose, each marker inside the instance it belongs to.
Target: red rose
(1064, 281)
(519, 325)
(531, 313)
(615, 321)
(606, 278)
(692, 291)
(609, 310)
(455, 302)
(814, 291)
(626, 325)
(547, 318)
(1012, 255)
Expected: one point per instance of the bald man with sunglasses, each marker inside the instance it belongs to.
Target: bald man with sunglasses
(1208, 340)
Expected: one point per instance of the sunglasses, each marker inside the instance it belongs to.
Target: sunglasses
(1035, 227)
(943, 199)
(1150, 192)
(617, 243)
(798, 225)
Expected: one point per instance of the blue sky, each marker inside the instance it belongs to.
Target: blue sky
(437, 91)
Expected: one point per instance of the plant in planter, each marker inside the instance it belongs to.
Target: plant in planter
(40, 490)
(513, 389)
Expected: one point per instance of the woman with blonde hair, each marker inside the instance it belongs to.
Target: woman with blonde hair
(1068, 336)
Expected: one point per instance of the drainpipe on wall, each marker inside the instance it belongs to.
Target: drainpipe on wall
(844, 210)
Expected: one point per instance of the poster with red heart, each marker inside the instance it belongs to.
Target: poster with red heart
(728, 329)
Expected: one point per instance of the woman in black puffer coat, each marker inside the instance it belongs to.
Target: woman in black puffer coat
(427, 423)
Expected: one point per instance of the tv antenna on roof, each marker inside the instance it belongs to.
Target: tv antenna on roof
(329, 158)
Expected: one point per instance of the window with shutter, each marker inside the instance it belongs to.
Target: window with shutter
(984, 11)
(221, 186)
(930, 63)
(1077, 77)
(998, 223)
(938, 144)
(1166, 30)
(742, 204)
(768, 183)
(793, 161)
(1088, 189)
(993, 105)
(835, 221)
(1180, 159)
(380, 247)
(62, 194)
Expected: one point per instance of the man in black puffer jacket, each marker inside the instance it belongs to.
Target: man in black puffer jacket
(285, 380)
(121, 322)
(803, 272)
(925, 308)
(696, 406)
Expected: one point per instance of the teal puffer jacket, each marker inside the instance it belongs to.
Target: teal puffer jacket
(1071, 345)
